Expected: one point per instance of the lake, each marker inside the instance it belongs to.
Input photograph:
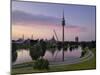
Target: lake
(50, 55)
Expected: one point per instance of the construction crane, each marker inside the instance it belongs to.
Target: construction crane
(55, 35)
(56, 42)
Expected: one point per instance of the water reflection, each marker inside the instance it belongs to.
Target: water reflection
(23, 56)
(51, 55)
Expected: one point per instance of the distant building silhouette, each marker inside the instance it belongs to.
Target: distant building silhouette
(76, 39)
(52, 40)
(32, 37)
(19, 41)
(23, 36)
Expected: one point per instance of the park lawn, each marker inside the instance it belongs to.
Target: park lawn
(90, 64)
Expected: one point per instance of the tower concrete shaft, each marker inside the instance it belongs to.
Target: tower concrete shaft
(63, 24)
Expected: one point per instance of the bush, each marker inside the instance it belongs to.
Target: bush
(41, 64)
(83, 53)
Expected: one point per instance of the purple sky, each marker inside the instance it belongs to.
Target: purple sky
(40, 19)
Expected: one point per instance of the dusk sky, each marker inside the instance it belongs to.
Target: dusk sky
(40, 19)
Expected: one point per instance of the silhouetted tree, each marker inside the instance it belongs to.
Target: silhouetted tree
(14, 56)
(70, 48)
(14, 47)
(92, 44)
(35, 51)
(14, 53)
(43, 47)
(59, 46)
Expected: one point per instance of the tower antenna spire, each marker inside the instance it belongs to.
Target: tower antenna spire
(63, 13)
(63, 18)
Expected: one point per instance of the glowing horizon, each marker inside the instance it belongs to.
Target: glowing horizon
(40, 19)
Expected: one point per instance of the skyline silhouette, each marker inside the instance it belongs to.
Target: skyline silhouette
(40, 20)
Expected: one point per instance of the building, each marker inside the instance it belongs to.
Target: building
(76, 39)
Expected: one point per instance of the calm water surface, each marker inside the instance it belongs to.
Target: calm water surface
(23, 55)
